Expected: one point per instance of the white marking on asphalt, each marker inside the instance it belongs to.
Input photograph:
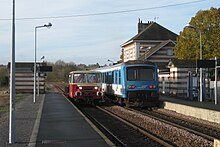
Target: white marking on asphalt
(33, 139)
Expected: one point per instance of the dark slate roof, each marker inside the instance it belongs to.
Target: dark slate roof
(182, 63)
(154, 31)
(161, 65)
(155, 49)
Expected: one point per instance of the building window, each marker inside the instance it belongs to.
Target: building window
(169, 52)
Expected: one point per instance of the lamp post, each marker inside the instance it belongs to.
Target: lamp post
(35, 56)
(200, 70)
(12, 136)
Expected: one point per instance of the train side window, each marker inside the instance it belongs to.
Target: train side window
(119, 76)
(106, 77)
(116, 77)
(103, 77)
(113, 77)
(72, 78)
(110, 77)
(69, 79)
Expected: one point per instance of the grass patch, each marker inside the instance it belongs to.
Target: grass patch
(5, 108)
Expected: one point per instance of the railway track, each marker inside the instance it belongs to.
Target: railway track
(119, 131)
(102, 128)
(165, 130)
(208, 132)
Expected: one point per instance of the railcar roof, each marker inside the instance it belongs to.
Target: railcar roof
(130, 62)
(84, 71)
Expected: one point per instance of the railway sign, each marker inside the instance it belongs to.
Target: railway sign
(45, 68)
(218, 62)
(205, 63)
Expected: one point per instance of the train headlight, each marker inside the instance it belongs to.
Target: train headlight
(131, 86)
(96, 87)
(99, 93)
(78, 93)
(80, 88)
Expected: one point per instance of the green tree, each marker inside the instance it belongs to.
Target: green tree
(61, 70)
(188, 42)
(3, 76)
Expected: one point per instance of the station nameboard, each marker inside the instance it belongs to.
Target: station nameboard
(205, 63)
(45, 69)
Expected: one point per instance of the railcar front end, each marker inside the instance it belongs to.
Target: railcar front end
(141, 85)
(134, 83)
(84, 86)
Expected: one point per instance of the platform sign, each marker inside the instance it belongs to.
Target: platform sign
(205, 63)
(218, 62)
(45, 69)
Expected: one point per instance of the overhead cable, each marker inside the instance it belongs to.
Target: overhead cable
(105, 13)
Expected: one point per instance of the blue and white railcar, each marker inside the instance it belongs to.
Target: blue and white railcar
(132, 82)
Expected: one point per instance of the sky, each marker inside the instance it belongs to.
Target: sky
(86, 31)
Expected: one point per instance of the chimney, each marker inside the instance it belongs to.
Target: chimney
(142, 26)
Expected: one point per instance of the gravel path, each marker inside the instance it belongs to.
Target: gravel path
(26, 113)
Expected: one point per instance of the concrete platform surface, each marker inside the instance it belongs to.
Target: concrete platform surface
(202, 110)
(62, 125)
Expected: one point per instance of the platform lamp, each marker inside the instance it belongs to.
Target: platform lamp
(200, 70)
(49, 25)
(110, 61)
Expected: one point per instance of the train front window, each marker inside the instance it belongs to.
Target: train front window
(79, 78)
(140, 74)
(93, 78)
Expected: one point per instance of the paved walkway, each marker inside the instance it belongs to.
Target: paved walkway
(26, 114)
(62, 125)
(51, 121)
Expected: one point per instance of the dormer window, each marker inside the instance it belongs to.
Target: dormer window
(169, 52)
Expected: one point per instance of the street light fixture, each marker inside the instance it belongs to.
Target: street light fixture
(200, 70)
(49, 25)
(110, 61)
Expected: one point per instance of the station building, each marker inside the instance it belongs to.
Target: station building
(153, 42)
(156, 43)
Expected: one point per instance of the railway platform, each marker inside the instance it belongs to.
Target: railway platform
(62, 125)
(202, 110)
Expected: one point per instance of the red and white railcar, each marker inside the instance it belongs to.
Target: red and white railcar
(85, 86)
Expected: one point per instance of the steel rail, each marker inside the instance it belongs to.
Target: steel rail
(116, 139)
(214, 128)
(173, 124)
(156, 139)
